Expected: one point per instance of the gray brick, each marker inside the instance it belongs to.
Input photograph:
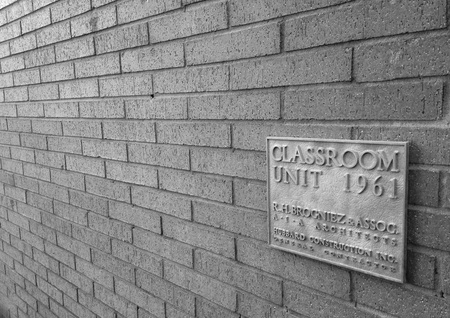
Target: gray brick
(136, 174)
(253, 136)
(139, 258)
(237, 220)
(36, 171)
(36, 20)
(89, 202)
(157, 108)
(6, 80)
(64, 144)
(423, 188)
(417, 100)
(258, 41)
(115, 229)
(160, 245)
(320, 276)
(94, 305)
(70, 213)
(101, 65)
(10, 31)
(68, 179)
(307, 302)
(153, 57)
(129, 130)
(12, 138)
(162, 201)
(236, 106)
(43, 92)
(8, 110)
(53, 34)
(415, 57)
(322, 66)
(113, 265)
(94, 21)
(89, 166)
(21, 125)
(107, 188)
(420, 269)
(105, 149)
(51, 159)
(60, 255)
(201, 285)
(135, 9)
(425, 143)
(95, 273)
(79, 89)
(197, 79)
(40, 57)
(18, 10)
(76, 247)
(141, 298)
(66, 109)
(172, 26)
(167, 291)
(76, 308)
(126, 85)
(69, 8)
(13, 63)
(33, 141)
(16, 194)
(199, 134)
(424, 229)
(77, 279)
(102, 109)
(206, 309)
(234, 274)
(95, 239)
(253, 307)
(27, 77)
(119, 304)
(250, 194)
(54, 191)
(82, 128)
(245, 164)
(135, 216)
(244, 12)
(99, 3)
(75, 49)
(41, 203)
(22, 44)
(4, 50)
(123, 38)
(160, 155)
(37, 4)
(57, 72)
(199, 236)
(213, 188)
(397, 300)
(12, 166)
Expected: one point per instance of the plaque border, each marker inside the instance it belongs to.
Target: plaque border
(405, 204)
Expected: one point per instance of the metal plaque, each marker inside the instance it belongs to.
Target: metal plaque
(340, 201)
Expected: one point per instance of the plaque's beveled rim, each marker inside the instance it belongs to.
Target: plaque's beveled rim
(405, 144)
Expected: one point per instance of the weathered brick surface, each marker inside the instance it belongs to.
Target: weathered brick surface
(393, 101)
(189, 22)
(411, 57)
(122, 38)
(244, 12)
(253, 42)
(133, 166)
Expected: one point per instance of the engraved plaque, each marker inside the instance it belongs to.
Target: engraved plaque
(340, 201)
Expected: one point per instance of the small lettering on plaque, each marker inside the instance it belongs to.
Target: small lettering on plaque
(340, 201)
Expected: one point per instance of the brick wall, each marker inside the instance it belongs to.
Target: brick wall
(132, 145)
